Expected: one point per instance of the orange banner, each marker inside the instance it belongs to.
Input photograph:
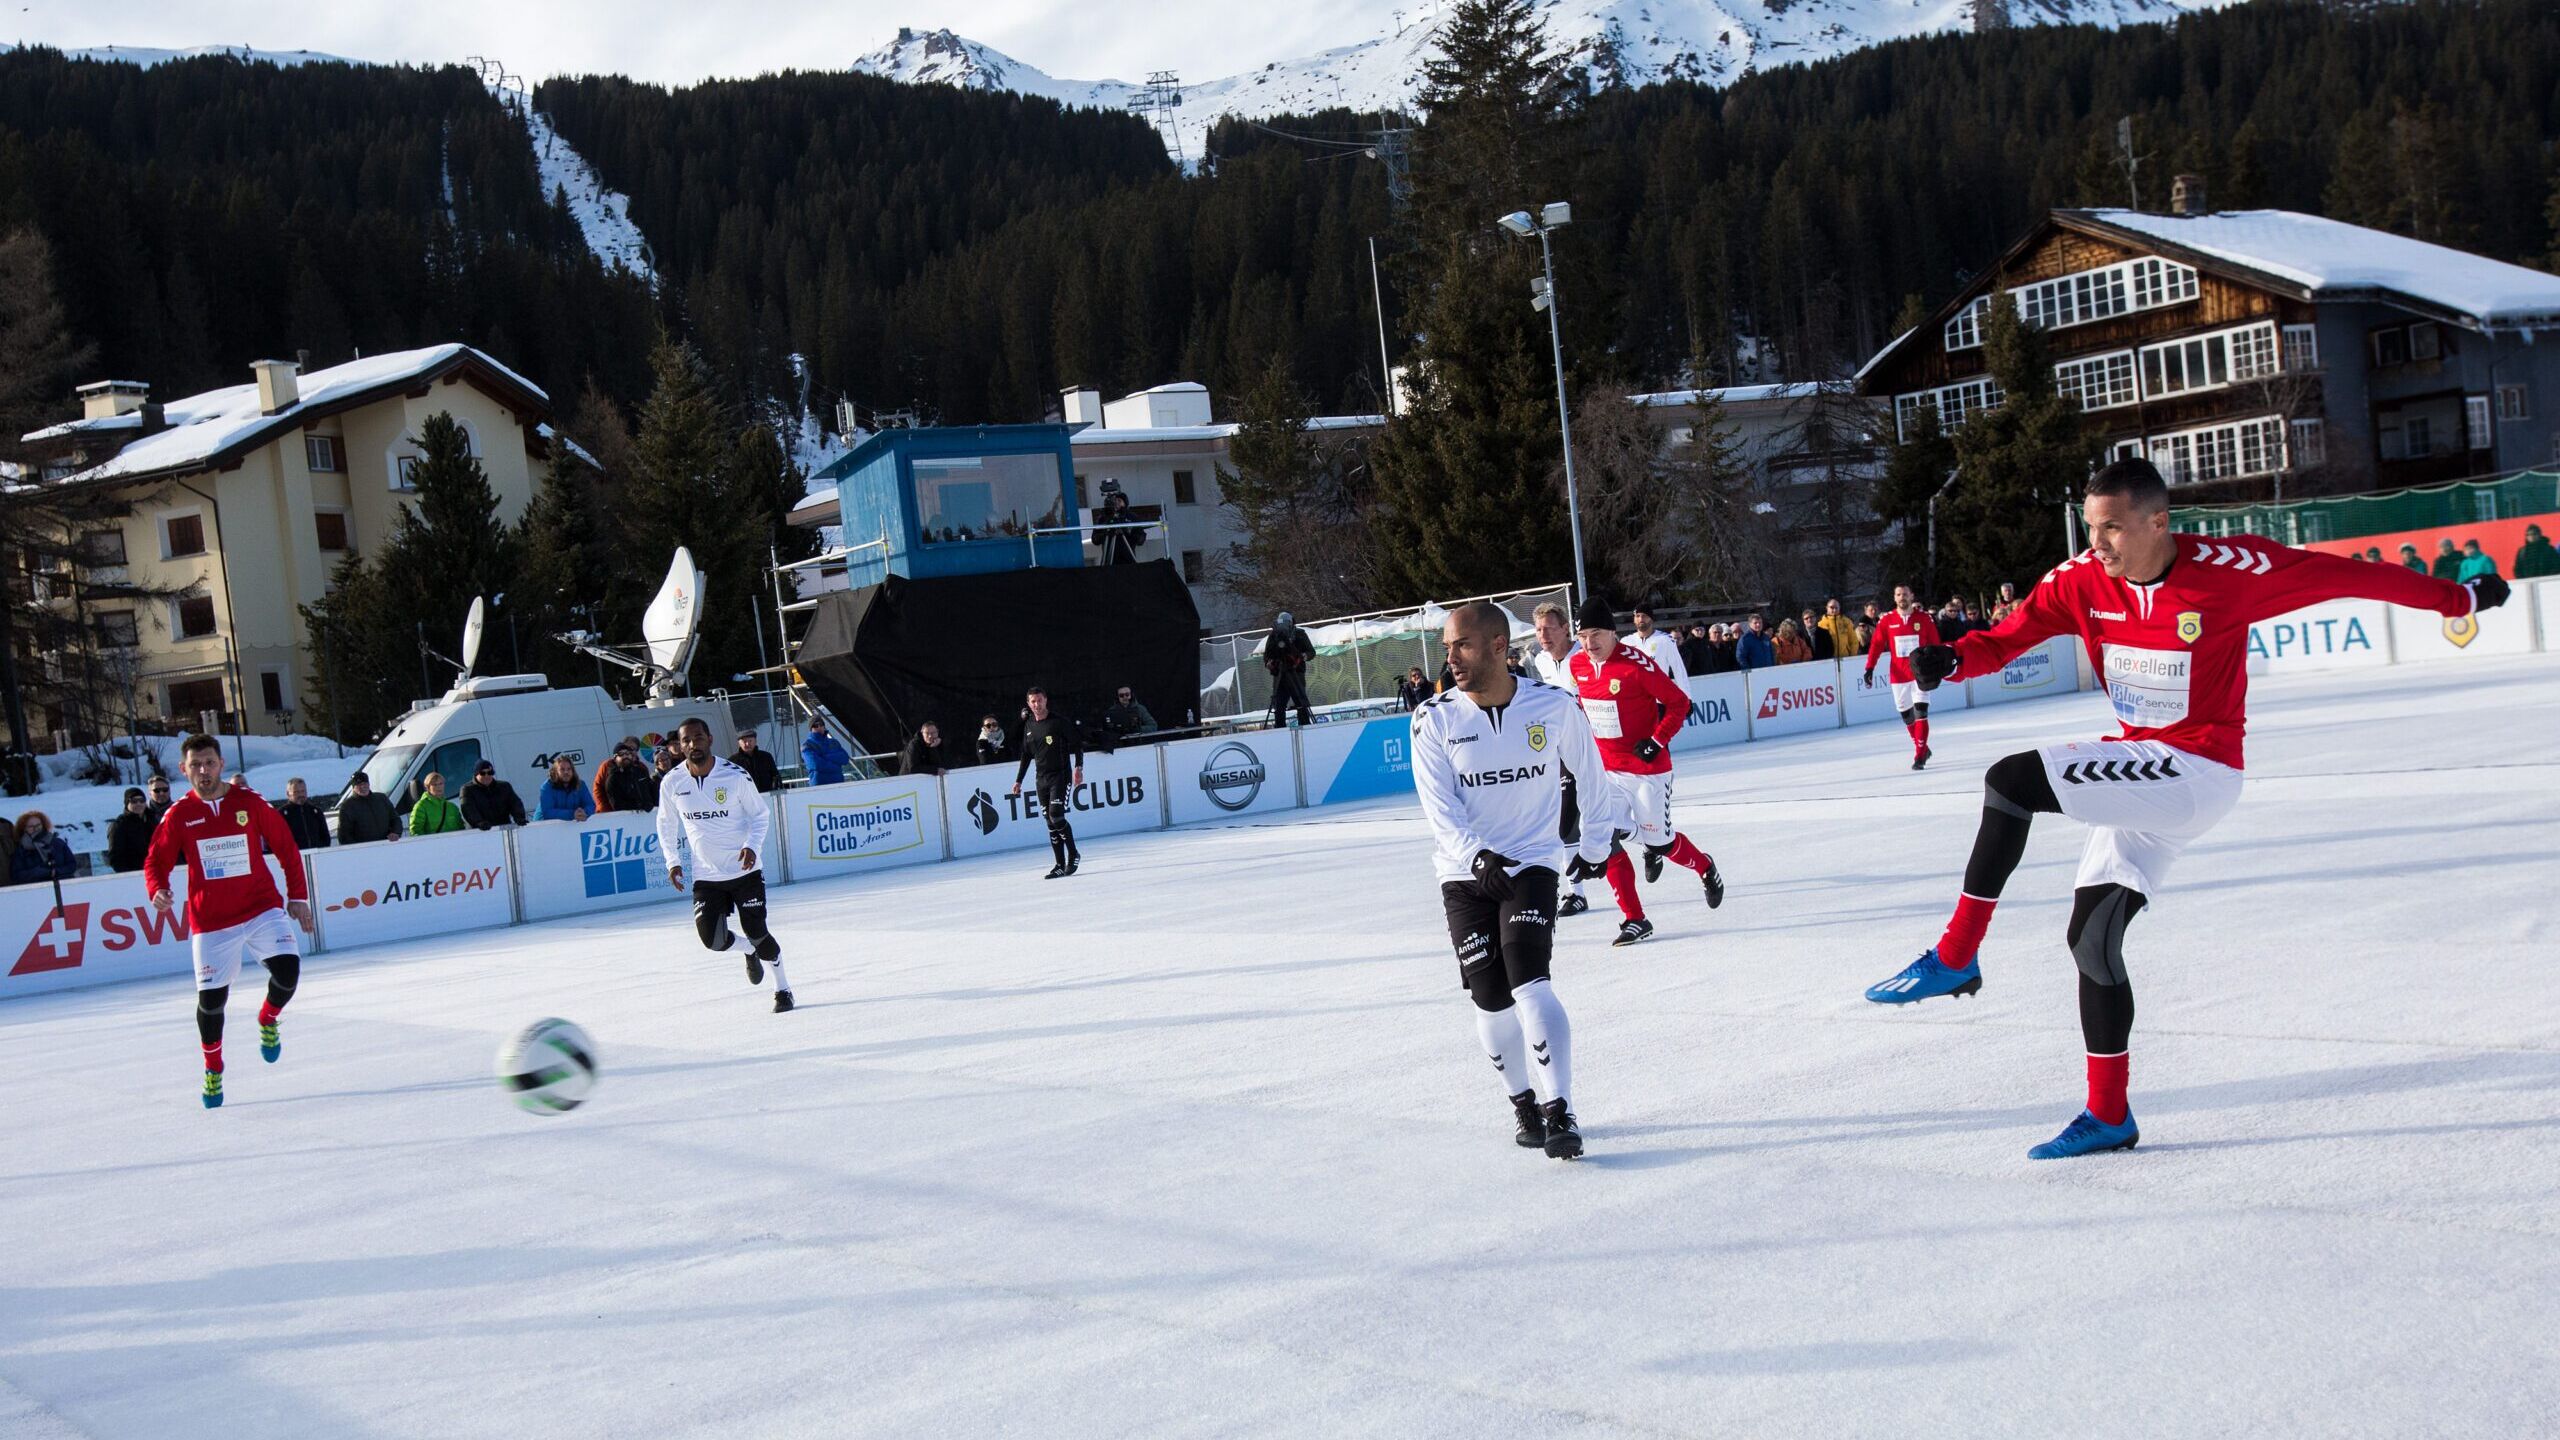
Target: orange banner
(2499, 539)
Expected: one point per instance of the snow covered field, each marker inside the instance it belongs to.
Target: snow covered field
(1199, 1143)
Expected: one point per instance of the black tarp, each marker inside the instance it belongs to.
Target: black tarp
(888, 657)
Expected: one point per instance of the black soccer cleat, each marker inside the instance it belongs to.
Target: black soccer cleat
(1571, 905)
(755, 967)
(1652, 864)
(1532, 1133)
(1631, 931)
(1920, 758)
(1055, 871)
(1073, 860)
(1714, 881)
(1564, 1139)
(781, 1001)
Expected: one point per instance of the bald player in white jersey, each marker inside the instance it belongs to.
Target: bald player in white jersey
(1552, 660)
(716, 809)
(1488, 760)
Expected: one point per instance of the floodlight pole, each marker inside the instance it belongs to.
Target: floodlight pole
(1564, 410)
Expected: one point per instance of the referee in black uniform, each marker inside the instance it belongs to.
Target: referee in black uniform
(1055, 744)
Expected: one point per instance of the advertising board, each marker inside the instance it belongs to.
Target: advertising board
(405, 889)
(1355, 760)
(1715, 712)
(2425, 635)
(1220, 777)
(864, 825)
(1120, 792)
(2333, 635)
(1862, 705)
(605, 863)
(2050, 668)
(1791, 699)
(105, 931)
(2545, 595)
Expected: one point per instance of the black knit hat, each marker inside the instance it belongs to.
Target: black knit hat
(1594, 615)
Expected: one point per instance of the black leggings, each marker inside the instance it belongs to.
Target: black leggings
(2014, 792)
(713, 900)
(1057, 796)
(1502, 944)
(284, 976)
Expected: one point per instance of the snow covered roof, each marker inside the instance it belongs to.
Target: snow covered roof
(1092, 435)
(1731, 394)
(220, 425)
(2332, 260)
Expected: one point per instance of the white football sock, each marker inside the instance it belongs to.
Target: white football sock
(1550, 1038)
(1499, 1032)
(775, 965)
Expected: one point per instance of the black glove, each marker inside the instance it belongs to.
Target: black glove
(1648, 749)
(1578, 868)
(1868, 680)
(1493, 874)
(2488, 592)
(1931, 664)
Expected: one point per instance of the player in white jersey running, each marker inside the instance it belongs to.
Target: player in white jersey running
(1552, 659)
(1489, 756)
(715, 808)
(1660, 646)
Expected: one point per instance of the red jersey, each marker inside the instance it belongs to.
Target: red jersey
(1629, 700)
(2174, 653)
(1897, 635)
(224, 846)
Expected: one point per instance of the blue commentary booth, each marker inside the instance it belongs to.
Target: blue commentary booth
(968, 585)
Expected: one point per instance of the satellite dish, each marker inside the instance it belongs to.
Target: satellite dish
(471, 628)
(668, 626)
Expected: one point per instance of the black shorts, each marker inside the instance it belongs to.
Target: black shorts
(1502, 944)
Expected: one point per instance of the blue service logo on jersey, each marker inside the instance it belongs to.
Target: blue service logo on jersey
(616, 862)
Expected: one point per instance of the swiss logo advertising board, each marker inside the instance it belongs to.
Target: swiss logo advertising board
(65, 938)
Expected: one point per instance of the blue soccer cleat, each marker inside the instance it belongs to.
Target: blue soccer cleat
(2088, 1135)
(270, 1043)
(1926, 979)
(212, 1089)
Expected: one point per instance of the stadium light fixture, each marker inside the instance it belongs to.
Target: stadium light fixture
(1521, 224)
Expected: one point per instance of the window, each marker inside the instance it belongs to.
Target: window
(320, 453)
(985, 497)
(2310, 445)
(1955, 404)
(106, 547)
(2124, 450)
(2221, 452)
(118, 630)
(2301, 348)
(1084, 500)
(271, 690)
(2208, 362)
(2253, 352)
(2426, 342)
(331, 526)
(2099, 382)
(2390, 347)
(1194, 568)
(2158, 282)
(189, 699)
(2074, 299)
(404, 472)
(1964, 332)
(191, 616)
(2511, 406)
(1184, 491)
(2417, 438)
(2475, 423)
(181, 536)
(456, 762)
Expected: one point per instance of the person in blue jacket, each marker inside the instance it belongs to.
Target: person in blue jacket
(1753, 651)
(41, 855)
(563, 795)
(823, 756)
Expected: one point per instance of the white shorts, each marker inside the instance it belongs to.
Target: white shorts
(1641, 805)
(1907, 693)
(219, 952)
(2143, 802)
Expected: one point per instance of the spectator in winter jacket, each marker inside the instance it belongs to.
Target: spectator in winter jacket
(41, 855)
(1843, 631)
(823, 756)
(993, 747)
(1792, 647)
(434, 814)
(364, 816)
(561, 796)
(2536, 557)
(666, 760)
(2475, 563)
(310, 828)
(1414, 688)
(129, 834)
(2409, 559)
(924, 754)
(758, 762)
(1127, 717)
(2448, 564)
(1285, 653)
(489, 802)
(159, 799)
(623, 783)
(1752, 650)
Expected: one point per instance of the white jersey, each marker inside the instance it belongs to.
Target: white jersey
(718, 815)
(1558, 673)
(1663, 649)
(1494, 779)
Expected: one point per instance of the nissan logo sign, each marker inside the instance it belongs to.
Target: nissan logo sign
(1232, 776)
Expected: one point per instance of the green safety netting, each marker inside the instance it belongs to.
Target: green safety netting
(2341, 517)
(1356, 661)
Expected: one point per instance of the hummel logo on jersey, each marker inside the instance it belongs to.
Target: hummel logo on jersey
(1463, 740)
(2235, 557)
(1541, 1048)
(2081, 772)
(2097, 614)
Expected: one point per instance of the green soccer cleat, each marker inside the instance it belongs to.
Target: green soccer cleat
(270, 1043)
(213, 1089)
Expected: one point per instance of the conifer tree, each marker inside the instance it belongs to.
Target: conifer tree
(2018, 466)
(1307, 545)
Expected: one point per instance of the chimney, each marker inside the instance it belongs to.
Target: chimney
(2186, 195)
(279, 385)
(1080, 405)
(105, 399)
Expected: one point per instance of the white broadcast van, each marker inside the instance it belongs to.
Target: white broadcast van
(518, 723)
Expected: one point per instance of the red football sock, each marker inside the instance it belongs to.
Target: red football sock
(268, 1012)
(1920, 731)
(2106, 1086)
(1622, 883)
(213, 1057)
(1963, 939)
(1686, 855)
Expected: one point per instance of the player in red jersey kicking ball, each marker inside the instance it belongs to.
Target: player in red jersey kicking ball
(2166, 619)
(223, 834)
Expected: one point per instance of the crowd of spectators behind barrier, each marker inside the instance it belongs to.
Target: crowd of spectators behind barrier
(2534, 559)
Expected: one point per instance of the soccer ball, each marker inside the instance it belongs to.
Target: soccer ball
(549, 1068)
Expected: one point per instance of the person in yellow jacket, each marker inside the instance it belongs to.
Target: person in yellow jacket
(434, 814)
(1842, 629)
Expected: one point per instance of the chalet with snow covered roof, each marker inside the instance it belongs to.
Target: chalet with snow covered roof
(2260, 352)
(239, 502)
